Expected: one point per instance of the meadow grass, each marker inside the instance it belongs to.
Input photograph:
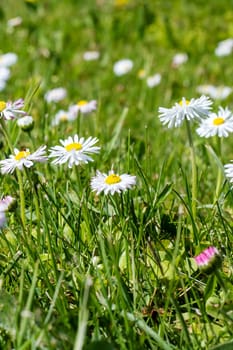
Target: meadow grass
(86, 271)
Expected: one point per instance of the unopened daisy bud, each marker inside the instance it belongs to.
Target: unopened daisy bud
(209, 260)
(26, 123)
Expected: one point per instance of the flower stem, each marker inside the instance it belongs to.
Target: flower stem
(194, 171)
(219, 176)
(22, 198)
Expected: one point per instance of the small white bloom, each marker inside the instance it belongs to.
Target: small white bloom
(123, 66)
(8, 59)
(112, 182)
(63, 116)
(4, 73)
(91, 55)
(185, 109)
(14, 22)
(224, 47)
(26, 123)
(154, 80)
(179, 59)
(11, 110)
(74, 151)
(228, 170)
(55, 95)
(220, 124)
(21, 159)
(6, 203)
(215, 92)
(83, 106)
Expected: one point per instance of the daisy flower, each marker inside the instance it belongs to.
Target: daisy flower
(91, 55)
(179, 59)
(153, 80)
(228, 170)
(209, 259)
(55, 95)
(64, 116)
(8, 59)
(83, 107)
(215, 92)
(123, 67)
(112, 182)
(220, 124)
(21, 159)
(74, 151)
(224, 47)
(6, 203)
(11, 110)
(4, 73)
(185, 109)
(14, 22)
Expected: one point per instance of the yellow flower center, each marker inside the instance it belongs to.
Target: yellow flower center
(218, 121)
(112, 179)
(82, 103)
(184, 103)
(22, 154)
(2, 105)
(63, 118)
(141, 73)
(75, 146)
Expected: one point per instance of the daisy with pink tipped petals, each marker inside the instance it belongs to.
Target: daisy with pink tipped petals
(220, 124)
(21, 159)
(209, 259)
(112, 182)
(74, 151)
(185, 109)
(11, 110)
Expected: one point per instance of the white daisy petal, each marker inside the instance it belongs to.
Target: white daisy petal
(112, 182)
(74, 151)
(185, 109)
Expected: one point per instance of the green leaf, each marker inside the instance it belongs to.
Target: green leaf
(225, 346)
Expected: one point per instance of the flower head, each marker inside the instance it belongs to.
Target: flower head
(83, 106)
(179, 59)
(228, 170)
(215, 92)
(185, 109)
(220, 124)
(8, 59)
(64, 116)
(112, 182)
(55, 95)
(91, 55)
(11, 110)
(209, 259)
(123, 67)
(21, 159)
(74, 151)
(7, 203)
(224, 47)
(153, 80)
(26, 123)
